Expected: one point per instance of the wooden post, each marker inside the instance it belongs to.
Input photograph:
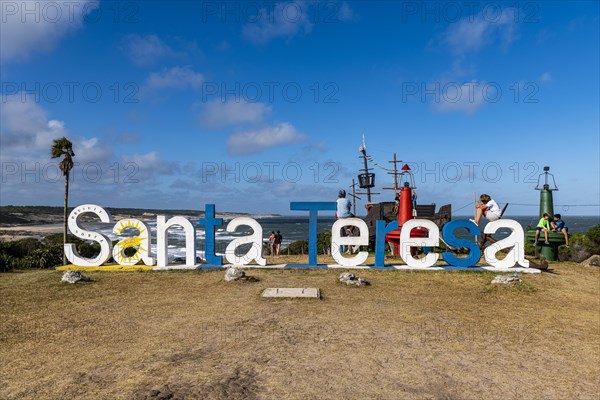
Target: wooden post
(354, 196)
(475, 209)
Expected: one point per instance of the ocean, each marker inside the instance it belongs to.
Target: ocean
(296, 228)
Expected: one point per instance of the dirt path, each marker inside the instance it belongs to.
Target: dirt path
(429, 335)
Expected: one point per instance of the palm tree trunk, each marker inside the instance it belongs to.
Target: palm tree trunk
(65, 217)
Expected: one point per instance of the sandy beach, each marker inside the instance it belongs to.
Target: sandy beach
(25, 231)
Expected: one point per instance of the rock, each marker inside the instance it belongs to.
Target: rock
(352, 280)
(506, 279)
(361, 282)
(234, 274)
(346, 276)
(74, 277)
(593, 261)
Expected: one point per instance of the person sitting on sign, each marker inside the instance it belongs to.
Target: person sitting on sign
(543, 225)
(488, 208)
(414, 203)
(558, 225)
(343, 211)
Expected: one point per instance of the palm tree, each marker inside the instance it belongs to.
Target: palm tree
(64, 148)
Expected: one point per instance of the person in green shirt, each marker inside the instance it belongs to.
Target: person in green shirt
(543, 225)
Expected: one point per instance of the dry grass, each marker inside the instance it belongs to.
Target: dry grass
(421, 335)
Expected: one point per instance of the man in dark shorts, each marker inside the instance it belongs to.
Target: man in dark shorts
(278, 240)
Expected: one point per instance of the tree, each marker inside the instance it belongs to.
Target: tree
(64, 148)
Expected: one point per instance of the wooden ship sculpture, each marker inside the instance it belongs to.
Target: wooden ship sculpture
(404, 206)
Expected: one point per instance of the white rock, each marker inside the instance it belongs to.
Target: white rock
(351, 279)
(234, 274)
(505, 279)
(74, 277)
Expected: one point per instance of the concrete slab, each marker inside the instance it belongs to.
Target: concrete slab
(337, 266)
(313, 293)
(255, 266)
(175, 267)
(484, 268)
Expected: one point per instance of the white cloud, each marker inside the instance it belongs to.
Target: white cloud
(30, 175)
(150, 163)
(146, 50)
(546, 77)
(472, 34)
(345, 13)
(27, 133)
(254, 141)
(467, 97)
(174, 78)
(36, 26)
(217, 114)
(283, 20)
(24, 126)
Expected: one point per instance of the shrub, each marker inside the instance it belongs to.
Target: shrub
(592, 240)
(7, 262)
(20, 248)
(529, 248)
(47, 253)
(45, 257)
(298, 247)
(324, 242)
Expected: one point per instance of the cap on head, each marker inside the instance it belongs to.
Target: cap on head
(342, 193)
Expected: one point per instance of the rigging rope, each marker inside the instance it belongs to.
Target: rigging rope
(536, 205)
(557, 205)
(369, 158)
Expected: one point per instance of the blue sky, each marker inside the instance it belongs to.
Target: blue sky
(252, 105)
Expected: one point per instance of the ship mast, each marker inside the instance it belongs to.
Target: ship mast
(366, 179)
(395, 173)
(354, 196)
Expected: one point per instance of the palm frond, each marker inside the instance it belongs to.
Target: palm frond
(61, 147)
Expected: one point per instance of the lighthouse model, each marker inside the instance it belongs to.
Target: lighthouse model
(555, 239)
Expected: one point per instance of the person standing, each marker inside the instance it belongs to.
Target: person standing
(278, 240)
(272, 243)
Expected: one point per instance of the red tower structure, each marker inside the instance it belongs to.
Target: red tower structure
(405, 209)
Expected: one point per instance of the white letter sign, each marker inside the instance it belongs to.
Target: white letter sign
(515, 240)
(255, 252)
(142, 242)
(337, 240)
(77, 230)
(406, 242)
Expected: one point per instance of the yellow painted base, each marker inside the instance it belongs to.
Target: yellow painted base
(112, 267)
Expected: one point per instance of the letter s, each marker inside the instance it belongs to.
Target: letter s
(451, 240)
(78, 231)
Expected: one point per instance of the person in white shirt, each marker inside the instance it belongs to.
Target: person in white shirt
(343, 205)
(343, 211)
(487, 208)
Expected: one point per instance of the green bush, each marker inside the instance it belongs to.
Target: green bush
(529, 248)
(7, 262)
(324, 242)
(298, 247)
(301, 246)
(20, 248)
(47, 253)
(592, 240)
